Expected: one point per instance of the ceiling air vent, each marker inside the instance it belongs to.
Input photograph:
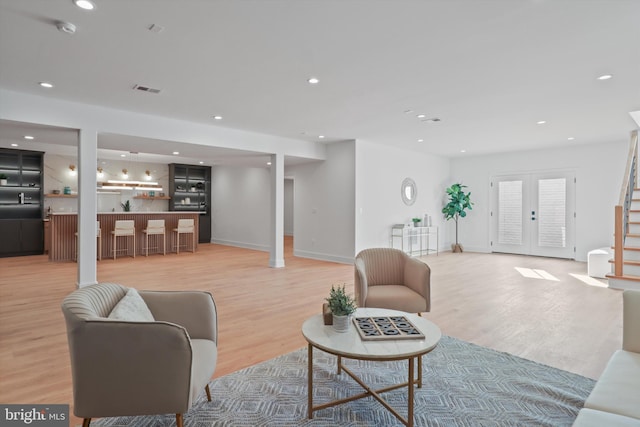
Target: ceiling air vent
(146, 89)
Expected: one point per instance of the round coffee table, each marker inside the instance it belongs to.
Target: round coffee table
(350, 345)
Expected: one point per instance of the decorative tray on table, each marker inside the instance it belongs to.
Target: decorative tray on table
(386, 328)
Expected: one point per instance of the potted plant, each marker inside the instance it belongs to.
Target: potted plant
(341, 306)
(3, 179)
(416, 221)
(126, 206)
(459, 202)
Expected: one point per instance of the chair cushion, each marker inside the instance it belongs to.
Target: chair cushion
(205, 356)
(618, 389)
(132, 308)
(592, 418)
(395, 297)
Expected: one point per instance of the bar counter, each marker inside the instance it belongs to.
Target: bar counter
(63, 227)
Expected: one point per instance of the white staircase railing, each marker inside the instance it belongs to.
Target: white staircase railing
(622, 208)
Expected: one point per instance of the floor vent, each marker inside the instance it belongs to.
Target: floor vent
(146, 89)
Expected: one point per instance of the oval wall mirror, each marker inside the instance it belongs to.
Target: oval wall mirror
(409, 191)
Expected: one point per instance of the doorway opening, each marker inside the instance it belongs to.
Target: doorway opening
(288, 216)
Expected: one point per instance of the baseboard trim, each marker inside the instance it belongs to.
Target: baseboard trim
(323, 257)
(302, 254)
(263, 248)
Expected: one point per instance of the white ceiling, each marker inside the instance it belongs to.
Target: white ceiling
(489, 69)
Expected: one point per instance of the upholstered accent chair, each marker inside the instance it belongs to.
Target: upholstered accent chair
(139, 367)
(389, 278)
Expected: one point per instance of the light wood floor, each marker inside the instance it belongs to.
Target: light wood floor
(479, 298)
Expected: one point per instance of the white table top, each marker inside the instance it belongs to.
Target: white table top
(349, 344)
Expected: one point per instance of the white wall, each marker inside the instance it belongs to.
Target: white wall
(324, 219)
(599, 169)
(240, 206)
(380, 170)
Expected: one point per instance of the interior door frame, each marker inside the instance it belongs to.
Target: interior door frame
(530, 179)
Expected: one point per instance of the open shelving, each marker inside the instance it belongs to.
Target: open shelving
(189, 191)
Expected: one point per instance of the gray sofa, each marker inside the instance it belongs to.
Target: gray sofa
(615, 400)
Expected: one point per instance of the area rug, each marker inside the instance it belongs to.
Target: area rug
(464, 385)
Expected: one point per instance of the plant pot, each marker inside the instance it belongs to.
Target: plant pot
(456, 248)
(3, 182)
(341, 323)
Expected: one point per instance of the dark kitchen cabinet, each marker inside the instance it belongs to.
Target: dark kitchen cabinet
(190, 190)
(21, 200)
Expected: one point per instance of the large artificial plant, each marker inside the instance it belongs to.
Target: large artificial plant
(459, 202)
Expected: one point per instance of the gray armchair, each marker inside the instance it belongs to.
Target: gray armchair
(126, 368)
(389, 278)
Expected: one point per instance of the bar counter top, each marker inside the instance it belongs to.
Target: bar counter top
(133, 213)
(64, 225)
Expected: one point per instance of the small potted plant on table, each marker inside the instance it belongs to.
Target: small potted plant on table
(341, 306)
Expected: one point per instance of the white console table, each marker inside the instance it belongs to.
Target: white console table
(415, 241)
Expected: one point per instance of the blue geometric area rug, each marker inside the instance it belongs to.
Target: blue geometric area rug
(463, 385)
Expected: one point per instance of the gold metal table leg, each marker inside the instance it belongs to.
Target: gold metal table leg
(412, 381)
(310, 380)
(410, 394)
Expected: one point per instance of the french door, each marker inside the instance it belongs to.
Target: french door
(534, 214)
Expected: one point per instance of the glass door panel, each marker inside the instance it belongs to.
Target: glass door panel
(533, 214)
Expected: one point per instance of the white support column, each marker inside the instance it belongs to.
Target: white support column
(87, 207)
(276, 250)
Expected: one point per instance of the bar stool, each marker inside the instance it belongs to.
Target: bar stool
(155, 227)
(98, 236)
(185, 226)
(124, 228)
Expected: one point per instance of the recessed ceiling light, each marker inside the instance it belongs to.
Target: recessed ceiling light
(321, 136)
(421, 140)
(175, 153)
(313, 80)
(202, 163)
(463, 151)
(14, 145)
(155, 28)
(66, 27)
(46, 84)
(28, 137)
(605, 77)
(217, 117)
(571, 138)
(541, 122)
(421, 116)
(268, 163)
(123, 155)
(84, 4)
